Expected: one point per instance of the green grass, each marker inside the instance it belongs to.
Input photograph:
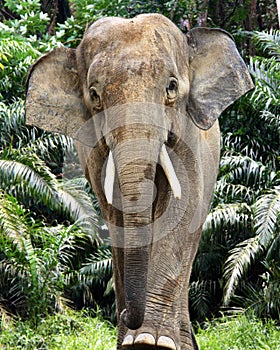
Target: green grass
(79, 331)
(73, 330)
(239, 333)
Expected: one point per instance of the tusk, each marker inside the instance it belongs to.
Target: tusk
(109, 179)
(170, 172)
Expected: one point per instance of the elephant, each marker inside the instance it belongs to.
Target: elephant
(142, 101)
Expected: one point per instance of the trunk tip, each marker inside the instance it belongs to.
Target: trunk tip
(131, 322)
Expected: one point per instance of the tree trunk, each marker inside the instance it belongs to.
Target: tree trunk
(278, 11)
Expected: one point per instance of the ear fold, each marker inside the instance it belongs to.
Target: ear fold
(54, 96)
(218, 75)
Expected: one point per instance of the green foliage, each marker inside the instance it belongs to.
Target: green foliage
(16, 57)
(262, 243)
(35, 261)
(264, 246)
(22, 41)
(266, 94)
(266, 70)
(79, 331)
(41, 247)
(60, 229)
(239, 249)
(269, 42)
(21, 264)
(68, 331)
(32, 21)
(97, 275)
(24, 155)
(87, 11)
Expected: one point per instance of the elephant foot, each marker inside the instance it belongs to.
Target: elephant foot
(146, 341)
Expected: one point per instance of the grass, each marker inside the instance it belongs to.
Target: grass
(239, 333)
(79, 331)
(73, 330)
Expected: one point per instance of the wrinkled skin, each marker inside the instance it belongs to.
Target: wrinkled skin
(133, 91)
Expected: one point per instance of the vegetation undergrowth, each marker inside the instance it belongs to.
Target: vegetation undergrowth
(239, 333)
(79, 331)
(71, 330)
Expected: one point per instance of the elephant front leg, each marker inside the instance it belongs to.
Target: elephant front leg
(166, 324)
(161, 328)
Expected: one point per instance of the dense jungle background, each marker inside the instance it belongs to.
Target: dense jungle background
(54, 248)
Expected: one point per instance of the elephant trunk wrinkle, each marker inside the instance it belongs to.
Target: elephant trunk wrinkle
(134, 161)
(136, 174)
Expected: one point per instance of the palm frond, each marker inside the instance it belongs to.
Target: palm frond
(237, 264)
(34, 271)
(229, 192)
(80, 206)
(252, 147)
(266, 222)
(272, 120)
(12, 220)
(99, 264)
(267, 215)
(269, 41)
(33, 263)
(50, 147)
(97, 273)
(244, 170)
(201, 297)
(82, 183)
(266, 94)
(48, 144)
(264, 301)
(64, 242)
(19, 260)
(11, 123)
(233, 214)
(28, 177)
(11, 293)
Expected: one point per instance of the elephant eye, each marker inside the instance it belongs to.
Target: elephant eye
(95, 97)
(172, 89)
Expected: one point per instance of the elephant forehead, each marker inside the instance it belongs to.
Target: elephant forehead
(112, 29)
(143, 34)
(103, 67)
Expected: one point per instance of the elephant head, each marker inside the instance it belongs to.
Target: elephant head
(139, 97)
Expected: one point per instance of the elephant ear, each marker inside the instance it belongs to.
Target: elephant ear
(54, 95)
(218, 75)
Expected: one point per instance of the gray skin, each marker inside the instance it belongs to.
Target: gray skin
(130, 87)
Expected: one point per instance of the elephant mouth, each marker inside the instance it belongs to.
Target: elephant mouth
(164, 161)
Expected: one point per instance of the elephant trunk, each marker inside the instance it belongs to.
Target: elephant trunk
(136, 168)
(137, 146)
